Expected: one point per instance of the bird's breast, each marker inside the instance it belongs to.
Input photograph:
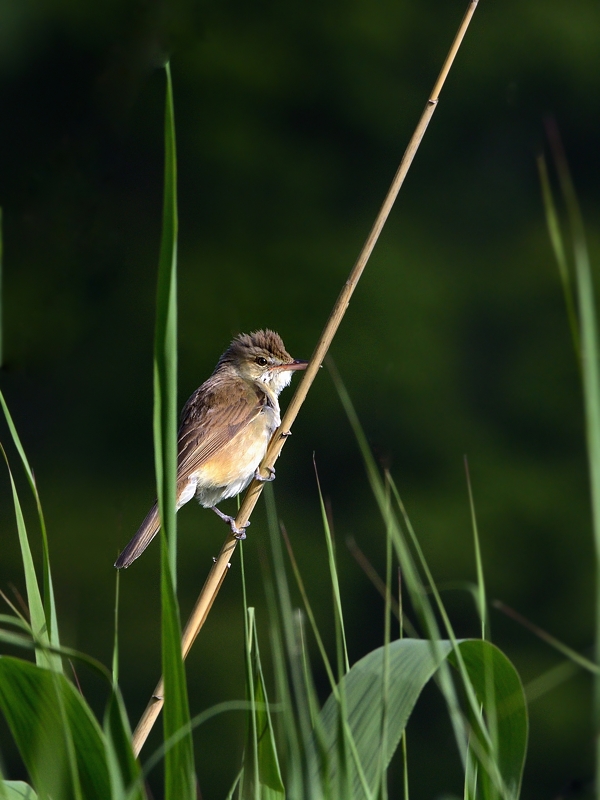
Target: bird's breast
(230, 470)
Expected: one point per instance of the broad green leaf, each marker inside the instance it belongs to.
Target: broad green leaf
(412, 662)
(500, 692)
(52, 725)
(179, 760)
(18, 790)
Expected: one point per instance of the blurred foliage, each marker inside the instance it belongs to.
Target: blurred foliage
(291, 119)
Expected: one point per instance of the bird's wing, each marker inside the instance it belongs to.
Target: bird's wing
(211, 418)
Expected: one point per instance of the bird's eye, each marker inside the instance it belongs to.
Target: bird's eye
(261, 361)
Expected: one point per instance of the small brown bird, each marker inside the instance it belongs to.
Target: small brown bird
(225, 428)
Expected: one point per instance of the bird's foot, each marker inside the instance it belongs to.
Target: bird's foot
(239, 533)
(268, 479)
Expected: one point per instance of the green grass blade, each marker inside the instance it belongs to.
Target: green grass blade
(250, 780)
(410, 573)
(481, 736)
(480, 597)
(557, 242)
(115, 657)
(309, 611)
(268, 771)
(123, 768)
(405, 791)
(37, 614)
(268, 762)
(591, 380)
(48, 589)
(308, 746)
(165, 345)
(179, 760)
(478, 737)
(286, 723)
(340, 633)
(261, 776)
(386, 657)
(346, 748)
(297, 722)
(234, 786)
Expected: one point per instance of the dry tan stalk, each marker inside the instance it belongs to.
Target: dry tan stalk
(217, 574)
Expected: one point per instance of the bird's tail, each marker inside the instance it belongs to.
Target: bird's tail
(148, 530)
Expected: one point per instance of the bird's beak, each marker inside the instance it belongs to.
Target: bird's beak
(295, 365)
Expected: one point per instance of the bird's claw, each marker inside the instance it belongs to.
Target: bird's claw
(261, 478)
(239, 533)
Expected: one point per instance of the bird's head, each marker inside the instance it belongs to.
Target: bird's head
(261, 357)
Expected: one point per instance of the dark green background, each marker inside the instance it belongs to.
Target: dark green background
(291, 120)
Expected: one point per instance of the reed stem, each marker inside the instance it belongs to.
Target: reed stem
(217, 574)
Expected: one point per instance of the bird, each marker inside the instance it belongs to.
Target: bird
(225, 429)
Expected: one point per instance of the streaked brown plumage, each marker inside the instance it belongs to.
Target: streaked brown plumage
(225, 429)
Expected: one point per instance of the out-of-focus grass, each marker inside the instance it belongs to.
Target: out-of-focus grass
(576, 278)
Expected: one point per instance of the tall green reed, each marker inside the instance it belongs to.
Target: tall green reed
(179, 760)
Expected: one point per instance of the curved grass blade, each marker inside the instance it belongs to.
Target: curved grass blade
(588, 332)
(48, 589)
(340, 632)
(558, 247)
(37, 614)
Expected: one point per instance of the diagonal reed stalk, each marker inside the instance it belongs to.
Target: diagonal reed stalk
(220, 567)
